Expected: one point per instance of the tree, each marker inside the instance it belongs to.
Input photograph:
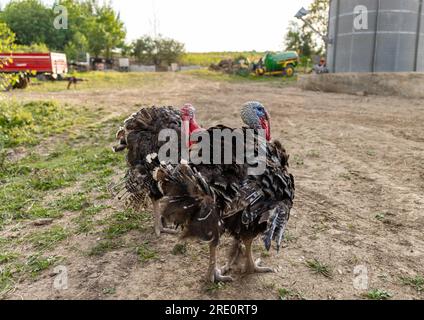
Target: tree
(77, 48)
(159, 51)
(318, 18)
(7, 45)
(106, 31)
(92, 24)
(298, 40)
(31, 22)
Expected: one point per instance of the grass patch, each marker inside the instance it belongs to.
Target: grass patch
(27, 123)
(72, 202)
(179, 249)
(319, 268)
(47, 180)
(124, 222)
(6, 279)
(35, 264)
(47, 239)
(287, 294)
(214, 287)
(7, 257)
(205, 59)
(415, 282)
(144, 253)
(232, 78)
(103, 247)
(100, 80)
(377, 294)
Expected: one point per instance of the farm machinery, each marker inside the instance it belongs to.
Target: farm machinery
(24, 65)
(279, 63)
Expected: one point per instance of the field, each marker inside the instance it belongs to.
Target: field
(356, 230)
(206, 59)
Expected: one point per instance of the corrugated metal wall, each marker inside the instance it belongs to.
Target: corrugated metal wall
(393, 42)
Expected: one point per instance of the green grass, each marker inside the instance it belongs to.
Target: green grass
(377, 294)
(207, 58)
(36, 264)
(287, 294)
(47, 239)
(215, 287)
(27, 123)
(72, 202)
(145, 253)
(223, 77)
(6, 257)
(415, 282)
(26, 183)
(6, 279)
(100, 80)
(319, 268)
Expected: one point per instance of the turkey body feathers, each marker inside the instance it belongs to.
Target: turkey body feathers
(211, 198)
(140, 136)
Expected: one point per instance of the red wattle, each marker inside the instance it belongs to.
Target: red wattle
(265, 126)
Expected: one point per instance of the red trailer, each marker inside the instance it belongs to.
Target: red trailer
(50, 65)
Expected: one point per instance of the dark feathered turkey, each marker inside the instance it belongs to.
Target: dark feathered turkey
(210, 199)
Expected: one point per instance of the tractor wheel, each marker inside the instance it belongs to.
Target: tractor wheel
(289, 71)
(259, 72)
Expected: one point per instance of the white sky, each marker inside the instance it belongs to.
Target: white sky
(211, 25)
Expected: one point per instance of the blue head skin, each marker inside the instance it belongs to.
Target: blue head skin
(260, 111)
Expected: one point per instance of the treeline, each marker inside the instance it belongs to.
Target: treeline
(91, 26)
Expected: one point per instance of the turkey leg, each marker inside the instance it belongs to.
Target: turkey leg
(214, 274)
(159, 228)
(251, 265)
(236, 252)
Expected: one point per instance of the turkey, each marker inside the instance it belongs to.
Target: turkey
(211, 199)
(140, 137)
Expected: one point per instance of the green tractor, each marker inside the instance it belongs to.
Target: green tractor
(279, 63)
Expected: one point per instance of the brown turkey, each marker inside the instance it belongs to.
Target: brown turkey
(211, 199)
(140, 137)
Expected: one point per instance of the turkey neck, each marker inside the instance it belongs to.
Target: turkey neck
(189, 126)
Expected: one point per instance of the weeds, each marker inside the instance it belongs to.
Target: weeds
(287, 294)
(319, 268)
(179, 249)
(416, 282)
(144, 253)
(35, 264)
(47, 239)
(377, 294)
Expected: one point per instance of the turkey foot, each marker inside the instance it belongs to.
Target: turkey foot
(158, 224)
(215, 274)
(254, 266)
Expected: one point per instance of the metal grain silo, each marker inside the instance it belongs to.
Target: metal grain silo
(392, 42)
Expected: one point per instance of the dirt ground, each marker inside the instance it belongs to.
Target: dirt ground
(359, 170)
